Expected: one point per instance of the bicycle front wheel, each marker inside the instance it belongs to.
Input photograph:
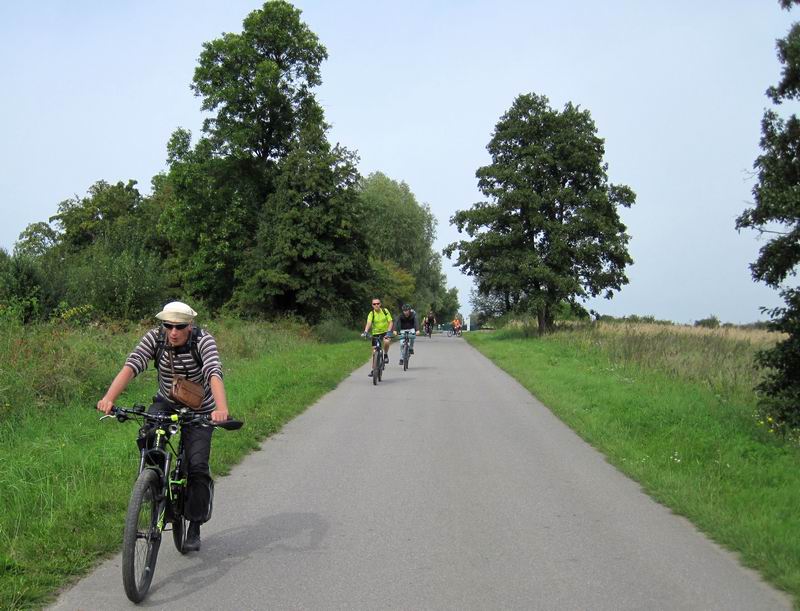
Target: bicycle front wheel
(406, 355)
(179, 533)
(375, 369)
(142, 537)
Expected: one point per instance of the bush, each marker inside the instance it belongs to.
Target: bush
(712, 322)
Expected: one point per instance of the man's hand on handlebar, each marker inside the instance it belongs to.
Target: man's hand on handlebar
(105, 406)
(219, 415)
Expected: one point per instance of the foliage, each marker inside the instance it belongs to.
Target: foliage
(712, 322)
(401, 230)
(446, 305)
(258, 83)
(777, 204)
(82, 221)
(21, 293)
(550, 231)
(309, 248)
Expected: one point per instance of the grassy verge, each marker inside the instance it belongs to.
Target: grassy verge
(666, 413)
(65, 478)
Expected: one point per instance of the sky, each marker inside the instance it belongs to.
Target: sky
(92, 91)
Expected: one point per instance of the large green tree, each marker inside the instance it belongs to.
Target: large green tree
(550, 231)
(776, 211)
(401, 231)
(247, 194)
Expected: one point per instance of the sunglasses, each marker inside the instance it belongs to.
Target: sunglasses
(179, 327)
(376, 303)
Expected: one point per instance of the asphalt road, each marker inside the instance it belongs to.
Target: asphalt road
(445, 487)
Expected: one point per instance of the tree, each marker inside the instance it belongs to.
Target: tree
(777, 211)
(237, 213)
(550, 231)
(310, 248)
(259, 83)
(401, 230)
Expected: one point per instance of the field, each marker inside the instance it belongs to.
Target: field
(674, 408)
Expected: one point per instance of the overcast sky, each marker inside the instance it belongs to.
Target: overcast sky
(93, 90)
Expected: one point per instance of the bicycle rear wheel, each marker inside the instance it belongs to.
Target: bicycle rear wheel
(142, 537)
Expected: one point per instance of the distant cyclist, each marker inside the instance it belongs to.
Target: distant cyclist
(456, 325)
(408, 322)
(429, 322)
(379, 320)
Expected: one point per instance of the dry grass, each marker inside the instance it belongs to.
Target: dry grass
(759, 338)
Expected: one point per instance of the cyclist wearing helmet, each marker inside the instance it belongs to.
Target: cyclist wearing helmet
(379, 320)
(408, 322)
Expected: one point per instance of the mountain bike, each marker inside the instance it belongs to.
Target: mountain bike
(451, 332)
(378, 359)
(158, 495)
(405, 347)
(428, 329)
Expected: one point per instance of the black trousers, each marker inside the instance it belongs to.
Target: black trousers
(197, 447)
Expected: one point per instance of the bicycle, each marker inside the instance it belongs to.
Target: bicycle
(405, 347)
(159, 491)
(378, 359)
(428, 329)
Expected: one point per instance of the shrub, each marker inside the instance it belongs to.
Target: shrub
(712, 322)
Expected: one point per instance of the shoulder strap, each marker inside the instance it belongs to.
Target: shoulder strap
(194, 348)
(160, 347)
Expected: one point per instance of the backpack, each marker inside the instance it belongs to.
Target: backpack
(189, 346)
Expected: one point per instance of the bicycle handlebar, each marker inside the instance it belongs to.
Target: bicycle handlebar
(182, 417)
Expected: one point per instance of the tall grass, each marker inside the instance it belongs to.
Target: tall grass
(65, 478)
(675, 410)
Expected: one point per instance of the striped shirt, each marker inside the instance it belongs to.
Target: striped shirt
(183, 362)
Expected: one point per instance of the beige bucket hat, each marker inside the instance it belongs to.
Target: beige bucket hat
(176, 311)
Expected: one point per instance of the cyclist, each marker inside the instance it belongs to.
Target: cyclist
(456, 325)
(429, 321)
(191, 351)
(408, 321)
(379, 320)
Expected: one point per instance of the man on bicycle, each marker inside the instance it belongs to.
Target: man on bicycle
(456, 325)
(177, 348)
(429, 321)
(408, 322)
(379, 320)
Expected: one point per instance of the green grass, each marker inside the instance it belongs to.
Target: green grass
(685, 433)
(65, 477)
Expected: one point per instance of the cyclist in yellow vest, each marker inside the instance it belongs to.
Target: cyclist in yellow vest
(379, 320)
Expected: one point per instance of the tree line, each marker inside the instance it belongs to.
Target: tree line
(260, 216)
